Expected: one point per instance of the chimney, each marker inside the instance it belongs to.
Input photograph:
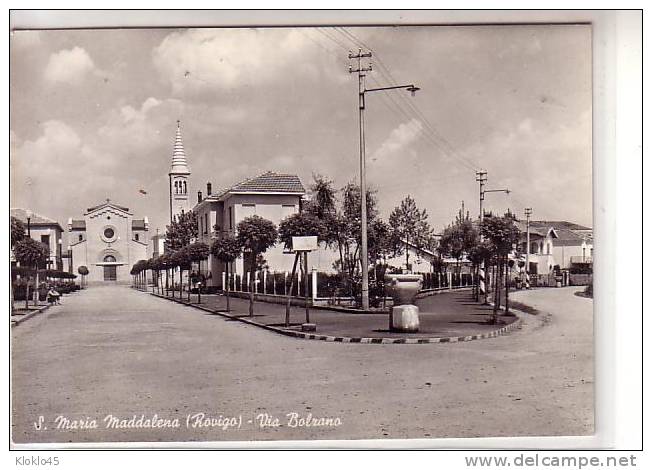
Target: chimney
(209, 188)
(198, 197)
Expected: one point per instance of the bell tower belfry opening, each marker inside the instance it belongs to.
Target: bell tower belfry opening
(179, 173)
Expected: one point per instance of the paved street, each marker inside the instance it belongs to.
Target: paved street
(442, 315)
(115, 351)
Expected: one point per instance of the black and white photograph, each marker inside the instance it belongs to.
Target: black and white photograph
(301, 233)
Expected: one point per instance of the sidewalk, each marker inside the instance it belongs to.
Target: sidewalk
(452, 315)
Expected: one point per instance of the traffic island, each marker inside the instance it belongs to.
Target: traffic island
(450, 317)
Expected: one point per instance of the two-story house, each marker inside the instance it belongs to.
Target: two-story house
(272, 196)
(44, 230)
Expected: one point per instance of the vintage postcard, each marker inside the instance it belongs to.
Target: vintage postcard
(301, 233)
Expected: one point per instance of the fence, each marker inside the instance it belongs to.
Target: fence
(331, 288)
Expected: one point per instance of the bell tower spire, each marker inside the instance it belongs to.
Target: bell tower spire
(179, 173)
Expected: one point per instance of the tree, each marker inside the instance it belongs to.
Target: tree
(323, 203)
(301, 224)
(226, 249)
(165, 262)
(31, 254)
(196, 253)
(83, 270)
(255, 236)
(502, 234)
(459, 238)
(478, 254)
(17, 234)
(154, 264)
(181, 259)
(409, 227)
(137, 270)
(17, 230)
(181, 231)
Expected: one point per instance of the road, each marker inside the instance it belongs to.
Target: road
(114, 351)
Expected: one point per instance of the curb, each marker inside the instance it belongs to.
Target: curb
(29, 315)
(348, 339)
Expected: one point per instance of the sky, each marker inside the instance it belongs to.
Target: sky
(93, 115)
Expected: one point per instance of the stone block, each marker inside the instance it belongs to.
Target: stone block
(405, 318)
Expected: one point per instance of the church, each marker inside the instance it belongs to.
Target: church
(108, 240)
(270, 195)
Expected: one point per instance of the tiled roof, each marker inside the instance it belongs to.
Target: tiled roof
(540, 230)
(78, 224)
(558, 224)
(565, 234)
(138, 224)
(271, 182)
(34, 218)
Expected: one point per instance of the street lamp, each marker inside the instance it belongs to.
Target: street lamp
(362, 90)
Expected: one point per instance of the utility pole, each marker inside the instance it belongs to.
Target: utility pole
(528, 213)
(364, 259)
(360, 70)
(481, 177)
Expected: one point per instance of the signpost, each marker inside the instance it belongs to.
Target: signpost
(301, 245)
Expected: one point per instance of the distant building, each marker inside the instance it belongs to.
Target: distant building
(272, 196)
(44, 230)
(108, 240)
(157, 246)
(557, 242)
(541, 249)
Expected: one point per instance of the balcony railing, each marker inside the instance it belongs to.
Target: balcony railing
(581, 259)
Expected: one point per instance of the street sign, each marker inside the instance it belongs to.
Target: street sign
(304, 243)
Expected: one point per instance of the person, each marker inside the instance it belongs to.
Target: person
(53, 296)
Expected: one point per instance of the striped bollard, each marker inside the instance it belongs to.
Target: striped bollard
(481, 278)
(527, 280)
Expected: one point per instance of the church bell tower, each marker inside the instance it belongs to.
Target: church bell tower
(179, 173)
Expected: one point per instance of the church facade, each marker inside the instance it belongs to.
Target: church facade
(108, 240)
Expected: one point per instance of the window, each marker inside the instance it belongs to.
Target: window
(45, 239)
(287, 210)
(547, 248)
(201, 223)
(248, 210)
(81, 237)
(185, 188)
(109, 233)
(137, 237)
(534, 248)
(206, 222)
(230, 216)
(109, 259)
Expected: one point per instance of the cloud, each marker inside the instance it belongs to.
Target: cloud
(131, 114)
(56, 158)
(199, 59)
(400, 138)
(69, 66)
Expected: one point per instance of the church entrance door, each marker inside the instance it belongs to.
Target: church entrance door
(110, 273)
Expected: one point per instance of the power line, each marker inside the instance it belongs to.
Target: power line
(440, 141)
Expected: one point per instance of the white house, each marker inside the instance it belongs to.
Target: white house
(541, 249)
(272, 196)
(44, 230)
